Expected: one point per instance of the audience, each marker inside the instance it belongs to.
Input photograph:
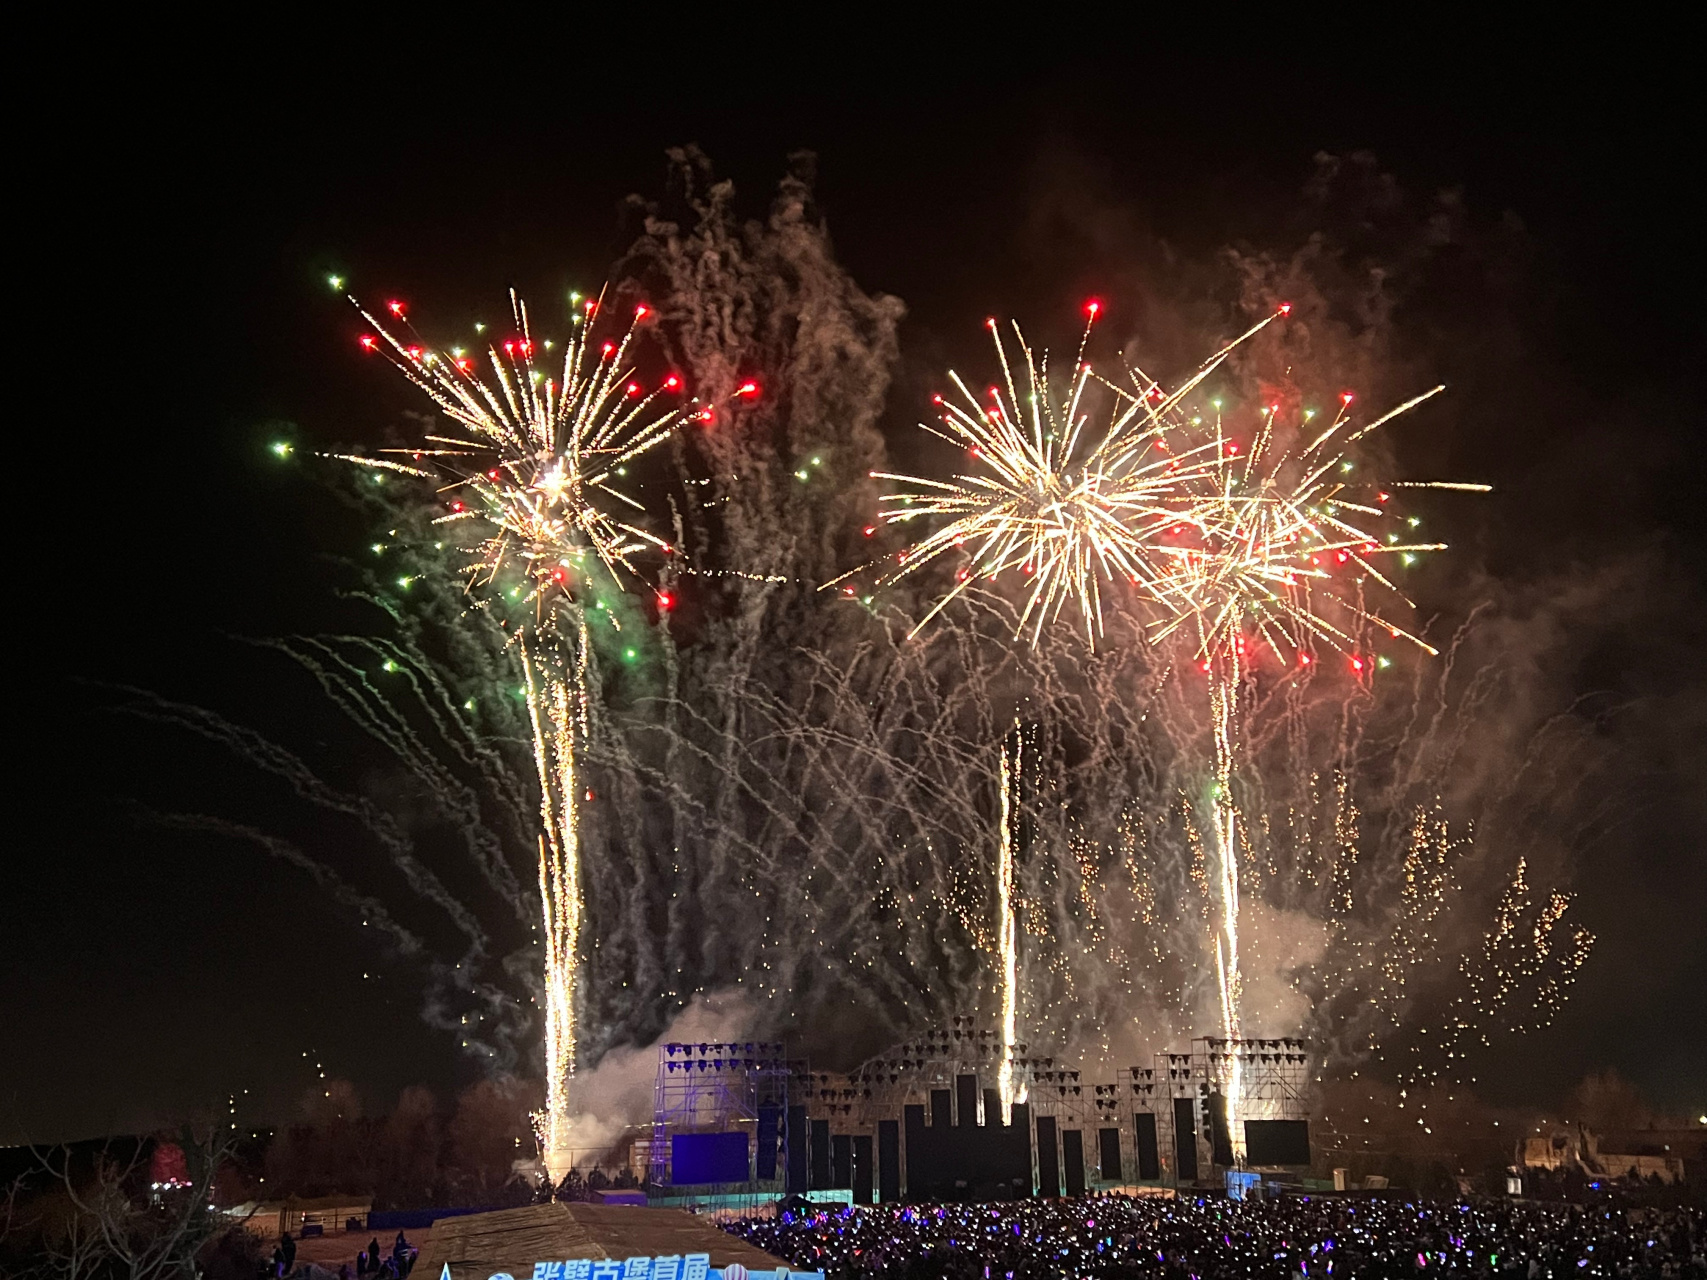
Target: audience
(1116, 1237)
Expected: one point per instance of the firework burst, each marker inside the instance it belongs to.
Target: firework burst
(535, 468)
(1279, 548)
(1066, 505)
(1281, 545)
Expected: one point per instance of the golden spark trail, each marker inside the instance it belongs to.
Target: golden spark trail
(554, 719)
(1006, 933)
(1224, 714)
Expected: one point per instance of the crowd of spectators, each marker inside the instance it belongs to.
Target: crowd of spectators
(1117, 1237)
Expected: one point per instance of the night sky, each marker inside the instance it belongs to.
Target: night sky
(184, 316)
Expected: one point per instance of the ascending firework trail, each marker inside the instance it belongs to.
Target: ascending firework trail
(532, 466)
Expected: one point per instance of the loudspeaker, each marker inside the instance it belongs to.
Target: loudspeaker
(1108, 1151)
(1048, 1161)
(939, 1108)
(1220, 1139)
(795, 1143)
(766, 1157)
(820, 1154)
(1073, 1157)
(1185, 1140)
(888, 1161)
(1149, 1159)
(966, 1099)
(862, 1168)
(841, 1161)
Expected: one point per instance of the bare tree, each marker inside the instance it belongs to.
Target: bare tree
(108, 1221)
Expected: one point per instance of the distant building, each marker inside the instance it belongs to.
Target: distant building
(269, 1219)
(1670, 1155)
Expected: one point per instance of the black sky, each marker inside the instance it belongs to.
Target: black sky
(188, 210)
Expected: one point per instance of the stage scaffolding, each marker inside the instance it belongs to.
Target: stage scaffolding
(720, 1088)
(707, 1087)
(907, 1073)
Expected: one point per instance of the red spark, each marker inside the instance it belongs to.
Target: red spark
(869, 530)
(748, 389)
(672, 382)
(666, 601)
(396, 309)
(367, 341)
(1286, 308)
(641, 311)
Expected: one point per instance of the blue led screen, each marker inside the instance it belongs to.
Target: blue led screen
(699, 1158)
